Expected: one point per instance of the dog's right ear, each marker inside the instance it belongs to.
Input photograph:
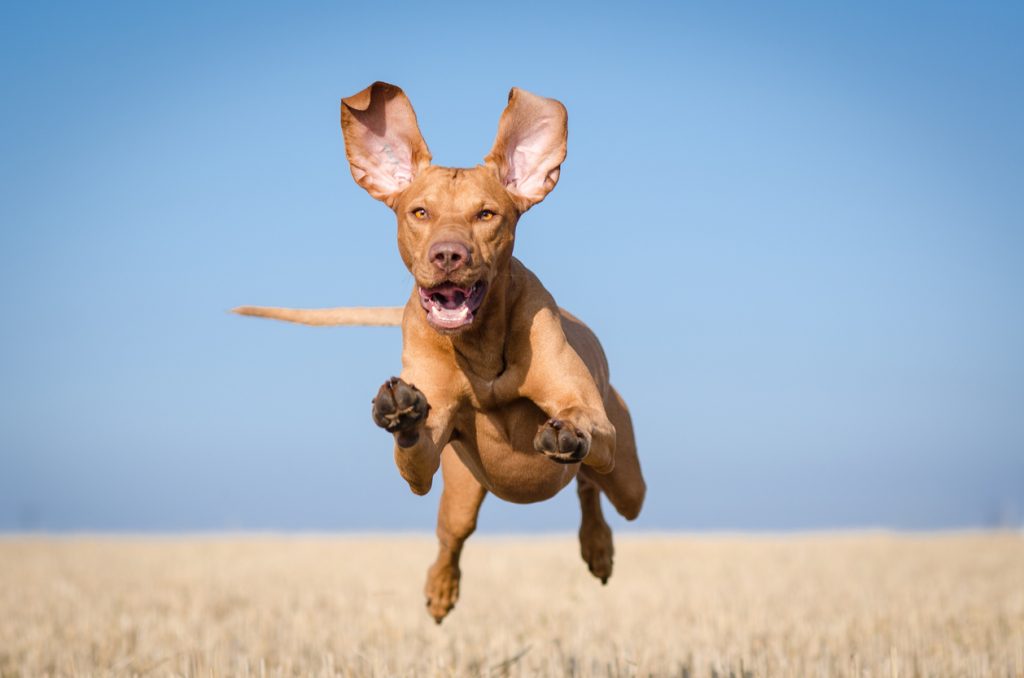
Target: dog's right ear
(382, 140)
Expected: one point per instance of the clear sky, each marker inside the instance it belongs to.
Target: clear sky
(798, 229)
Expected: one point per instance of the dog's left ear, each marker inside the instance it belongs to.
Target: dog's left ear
(530, 146)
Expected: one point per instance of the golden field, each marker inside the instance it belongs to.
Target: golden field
(865, 604)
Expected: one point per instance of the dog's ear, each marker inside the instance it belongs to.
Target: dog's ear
(530, 146)
(382, 140)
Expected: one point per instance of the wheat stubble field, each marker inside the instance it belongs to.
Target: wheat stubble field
(873, 604)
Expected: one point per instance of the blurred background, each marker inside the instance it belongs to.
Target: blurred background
(798, 230)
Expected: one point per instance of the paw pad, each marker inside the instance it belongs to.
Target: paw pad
(399, 408)
(561, 441)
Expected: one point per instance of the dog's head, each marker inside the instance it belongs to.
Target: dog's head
(456, 227)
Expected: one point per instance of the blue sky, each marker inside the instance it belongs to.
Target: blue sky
(798, 230)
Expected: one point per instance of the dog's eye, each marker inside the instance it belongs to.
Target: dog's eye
(485, 215)
(420, 213)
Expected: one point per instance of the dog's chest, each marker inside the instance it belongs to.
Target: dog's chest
(494, 393)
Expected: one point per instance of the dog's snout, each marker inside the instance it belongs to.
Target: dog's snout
(449, 255)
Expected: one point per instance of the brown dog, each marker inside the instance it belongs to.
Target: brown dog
(511, 393)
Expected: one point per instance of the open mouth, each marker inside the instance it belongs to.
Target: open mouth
(450, 307)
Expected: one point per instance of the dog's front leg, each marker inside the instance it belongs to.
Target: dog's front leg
(578, 429)
(558, 382)
(421, 430)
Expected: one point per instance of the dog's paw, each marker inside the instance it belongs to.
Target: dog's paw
(562, 442)
(399, 408)
(597, 549)
(442, 590)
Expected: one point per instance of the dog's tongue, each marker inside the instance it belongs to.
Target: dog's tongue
(450, 306)
(448, 295)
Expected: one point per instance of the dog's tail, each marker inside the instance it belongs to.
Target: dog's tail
(343, 315)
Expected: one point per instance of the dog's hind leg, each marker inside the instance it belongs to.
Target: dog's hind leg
(456, 519)
(624, 486)
(595, 536)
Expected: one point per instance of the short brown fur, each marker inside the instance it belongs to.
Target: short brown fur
(497, 403)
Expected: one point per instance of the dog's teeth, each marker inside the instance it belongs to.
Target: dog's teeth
(450, 317)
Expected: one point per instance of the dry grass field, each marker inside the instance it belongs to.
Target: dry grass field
(808, 605)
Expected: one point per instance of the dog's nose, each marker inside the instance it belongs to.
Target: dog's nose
(448, 256)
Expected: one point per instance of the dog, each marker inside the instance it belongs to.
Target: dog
(504, 391)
